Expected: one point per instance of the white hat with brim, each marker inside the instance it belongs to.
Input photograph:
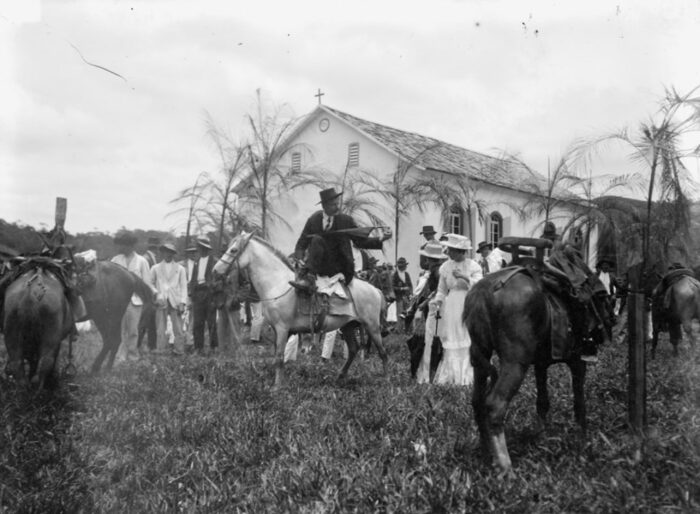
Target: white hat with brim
(456, 241)
(433, 251)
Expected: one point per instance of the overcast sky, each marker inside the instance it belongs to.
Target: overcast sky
(524, 76)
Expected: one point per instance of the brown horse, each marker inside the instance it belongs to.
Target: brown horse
(675, 306)
(106, 289)
(512, 316)
(37, 318)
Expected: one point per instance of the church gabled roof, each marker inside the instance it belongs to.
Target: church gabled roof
(440, 155)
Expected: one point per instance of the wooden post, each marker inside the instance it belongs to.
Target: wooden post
(60, 216)
(637, 386)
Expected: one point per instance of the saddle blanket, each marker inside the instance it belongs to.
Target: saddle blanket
(89, 256)
(332, 286)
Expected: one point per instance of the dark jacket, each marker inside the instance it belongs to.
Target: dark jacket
(401, 289)
(337, 255)
(193, 285)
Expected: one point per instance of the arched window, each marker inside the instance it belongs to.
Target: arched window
(455, 220)
(296, 162)
(494, 229)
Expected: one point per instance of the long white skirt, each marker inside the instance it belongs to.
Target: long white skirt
(455, 366)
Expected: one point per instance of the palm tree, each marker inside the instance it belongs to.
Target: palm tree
(446, 191)
(548, 199)
(192, 195)
(657, 146)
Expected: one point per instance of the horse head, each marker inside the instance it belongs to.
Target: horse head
(233, 254)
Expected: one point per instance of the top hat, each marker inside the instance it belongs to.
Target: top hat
(457, 241)
(153, 241)
(125, 238)
(203, 242)
(433, 251)
(402, 260)
(168, 247)
(483, 245)
(428, 229)
(329, 194)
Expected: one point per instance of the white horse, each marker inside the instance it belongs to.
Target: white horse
(270, 273)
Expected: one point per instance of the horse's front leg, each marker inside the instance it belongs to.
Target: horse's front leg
(542, 396)
(578, 380)
(282, 334)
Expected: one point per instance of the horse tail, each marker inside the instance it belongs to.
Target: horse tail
(383, 312)
(142, 290)
(478, 306)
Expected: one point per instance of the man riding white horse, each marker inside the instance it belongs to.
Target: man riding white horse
(326, 242)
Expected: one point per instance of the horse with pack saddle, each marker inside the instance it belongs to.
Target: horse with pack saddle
(38, 308)
(533, 312)
(675, 303)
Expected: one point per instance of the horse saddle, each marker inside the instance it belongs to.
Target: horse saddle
(319, 305)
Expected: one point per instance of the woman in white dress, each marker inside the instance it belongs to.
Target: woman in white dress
(457, 275)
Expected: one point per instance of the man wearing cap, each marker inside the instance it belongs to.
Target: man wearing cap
(491, 260)
(137, 264)
(401, 282)
(328, 251)
(203, 309)
(170, 282)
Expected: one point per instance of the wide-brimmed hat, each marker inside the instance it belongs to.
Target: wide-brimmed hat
(168, 247)
(402, 260)
(428, 229)
(457, 241)
(550, 231)
(609, 260)
(482, 245)
(125, 238)
(153, 241)
(329, 194)
(204, 243)
(433, 251)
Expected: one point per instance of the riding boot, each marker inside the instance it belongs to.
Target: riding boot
(305, 281)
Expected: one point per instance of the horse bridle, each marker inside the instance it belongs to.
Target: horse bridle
(230, 261)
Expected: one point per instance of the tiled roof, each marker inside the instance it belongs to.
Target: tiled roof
(444, 156)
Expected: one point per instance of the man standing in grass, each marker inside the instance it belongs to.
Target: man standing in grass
(129, 259)
(170, 281)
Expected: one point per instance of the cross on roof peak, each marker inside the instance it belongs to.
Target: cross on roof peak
(318, 95)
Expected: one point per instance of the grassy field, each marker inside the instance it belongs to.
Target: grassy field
(206, 434)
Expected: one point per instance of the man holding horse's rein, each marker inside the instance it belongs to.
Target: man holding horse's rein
(325, 241)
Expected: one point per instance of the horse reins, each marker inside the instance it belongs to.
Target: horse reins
(230, 261)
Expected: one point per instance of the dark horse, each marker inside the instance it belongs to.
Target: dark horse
(37, 318)
(510, 314)
(676, 304)
(106, 289)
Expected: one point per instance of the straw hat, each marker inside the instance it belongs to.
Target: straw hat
(168, 247)
(457, 241)
(433, 251)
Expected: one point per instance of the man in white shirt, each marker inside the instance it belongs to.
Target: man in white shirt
(129, 259)
(170, 281)
(491, 260)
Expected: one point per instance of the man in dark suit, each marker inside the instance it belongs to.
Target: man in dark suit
(200, 291)
(328, 251)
